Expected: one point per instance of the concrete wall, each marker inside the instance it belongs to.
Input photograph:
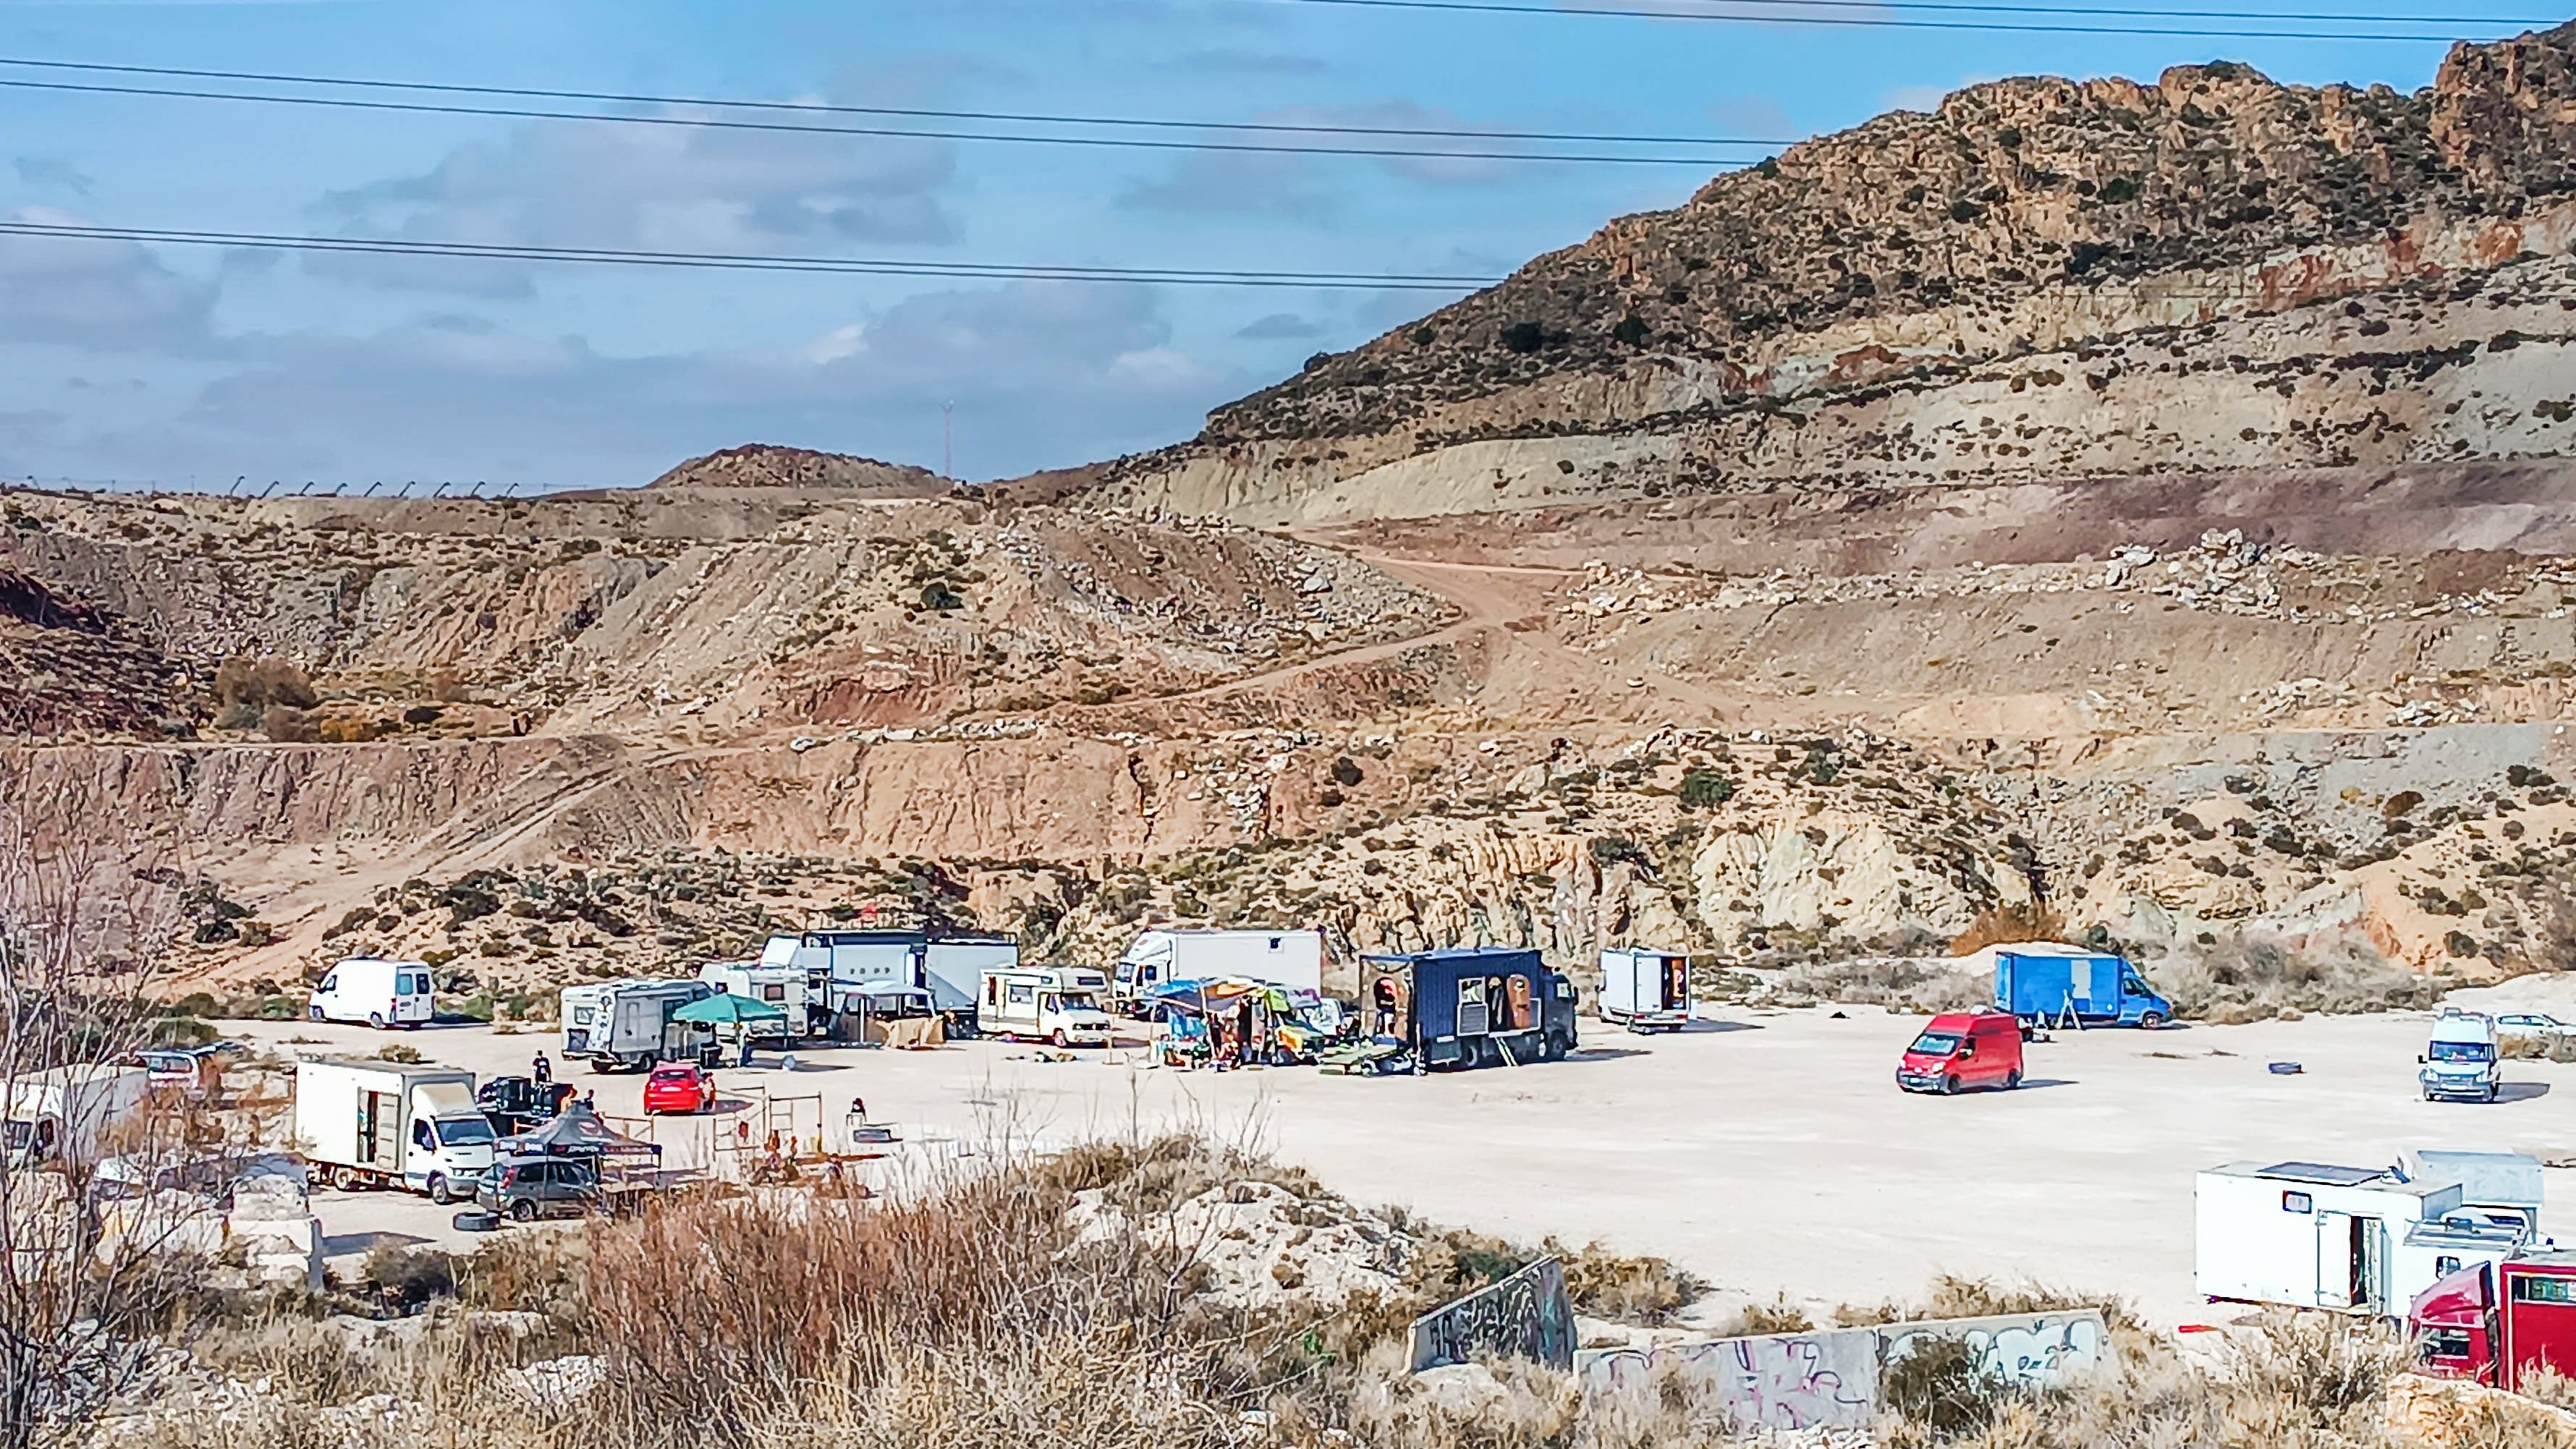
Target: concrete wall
(1828, 1378)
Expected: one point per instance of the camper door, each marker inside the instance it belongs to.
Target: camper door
(2352, 1254)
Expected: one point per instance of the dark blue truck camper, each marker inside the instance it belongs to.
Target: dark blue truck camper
(1471, 1006)
(2066, 987)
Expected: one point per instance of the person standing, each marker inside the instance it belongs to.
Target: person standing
(543, 1071)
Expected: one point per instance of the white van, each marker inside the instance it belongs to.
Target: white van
(379, 993)
(2459, 1063)
(1061, 1004)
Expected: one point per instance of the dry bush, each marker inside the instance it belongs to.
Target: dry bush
(2007, 923)
(1900, 984)
(1622, 1289)
(258, 684)
(1756, 1320)
(1951, 1296)
(2550, 1387)
(2256, 978)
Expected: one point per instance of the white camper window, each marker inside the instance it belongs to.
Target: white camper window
(2297, 1202)
(773, 992)
(1022, 994)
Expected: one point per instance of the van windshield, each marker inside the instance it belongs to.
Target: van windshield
(1935, 1043)
(2461, 1051)
(1081, 1001)
(464, 1131)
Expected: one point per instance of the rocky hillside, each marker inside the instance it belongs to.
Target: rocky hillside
(2043, 278)
(762, 465)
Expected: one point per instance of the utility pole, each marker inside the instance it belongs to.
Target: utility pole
(948, 442)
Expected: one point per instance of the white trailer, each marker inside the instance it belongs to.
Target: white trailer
(952, 971)
(2312, 1235)
(1061, 1004)
(1645, 990)
(69, 1115)
(388, 1124)
(1293, 959)
(614, 1024)
(784, 987)
(379, 993)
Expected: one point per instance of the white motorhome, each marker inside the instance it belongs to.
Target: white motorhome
(379, 993)
(1646, 990)
(781, 986)
(614, 1024)
(63, 1115)
(387, 1124)
(1060, 1004)
(1293, 959)
(2314, 1235)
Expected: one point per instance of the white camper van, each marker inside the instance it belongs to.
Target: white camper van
(781, 986)
(384, 1124)
(379, 993)
(613, 1024)
(1061, 1004)
(2459, 1062)
(1293, 959)
(60, 1115)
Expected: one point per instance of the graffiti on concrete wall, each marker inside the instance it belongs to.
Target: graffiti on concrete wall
(1829, 1378)
(2033, 1352)
(1526, 1315)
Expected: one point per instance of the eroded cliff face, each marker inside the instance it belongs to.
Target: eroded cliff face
(2224, 271)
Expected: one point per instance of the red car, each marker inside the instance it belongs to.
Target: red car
(679, 1087)
(1962, 1049)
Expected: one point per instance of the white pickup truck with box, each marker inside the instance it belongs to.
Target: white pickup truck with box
(388, 1124)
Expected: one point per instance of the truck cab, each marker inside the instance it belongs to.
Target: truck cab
(1961, 1050)
(2495, 1323)
(1058, 1004)
(2459, 1062)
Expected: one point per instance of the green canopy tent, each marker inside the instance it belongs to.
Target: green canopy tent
(730, 1015)
(725, 1009)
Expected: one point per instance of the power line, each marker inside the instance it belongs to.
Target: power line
(914, 133)
(1814, 12)
(750, 262)
(919, 113)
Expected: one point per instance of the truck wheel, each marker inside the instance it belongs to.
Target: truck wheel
(524, 1210)
(438, 1192)
(2012, 1079)
(2491, 1093)
(314, 1012)
(376, 1019)
(1062, 1042)
(1949, 1086)
(2151, 1020)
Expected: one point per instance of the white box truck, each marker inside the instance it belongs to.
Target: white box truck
(952, 971)
(781, 986)
(69, 1115)
(388, 1124)
(2313, 1235)
(379, 993)
(1059, 1004)
(1645, 990)
(1293, 959)
(2499, 1187)
(627, 1024)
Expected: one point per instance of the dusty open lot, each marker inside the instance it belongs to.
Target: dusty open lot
(1768, 1152)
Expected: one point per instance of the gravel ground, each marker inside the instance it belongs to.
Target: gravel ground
(1767, 1152)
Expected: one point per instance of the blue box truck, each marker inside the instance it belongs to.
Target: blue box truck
(1473, 1006)
(2070, 986)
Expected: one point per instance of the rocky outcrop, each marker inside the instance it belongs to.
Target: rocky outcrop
(766, 465)
(2042, 278)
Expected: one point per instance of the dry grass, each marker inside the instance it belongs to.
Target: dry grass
(2254, 978)
(969, 1316)
(2004, 925)
(1927, 985)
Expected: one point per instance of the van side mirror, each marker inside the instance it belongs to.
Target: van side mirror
(2420, 1059)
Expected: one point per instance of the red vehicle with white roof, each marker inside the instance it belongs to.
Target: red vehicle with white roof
(1959, 1050)
(2496, 1324)
(679, 1087)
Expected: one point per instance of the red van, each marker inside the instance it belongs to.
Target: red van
(1962, 1049)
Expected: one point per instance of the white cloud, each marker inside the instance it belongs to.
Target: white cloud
(574, 184)
(109, 296)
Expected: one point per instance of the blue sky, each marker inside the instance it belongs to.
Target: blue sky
(183, 365)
